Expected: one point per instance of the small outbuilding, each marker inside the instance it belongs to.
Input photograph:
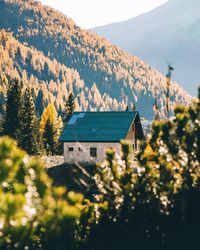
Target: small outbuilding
(88, 135)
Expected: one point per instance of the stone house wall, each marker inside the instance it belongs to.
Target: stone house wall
(81, 151)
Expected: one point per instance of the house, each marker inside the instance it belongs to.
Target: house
(88, 135)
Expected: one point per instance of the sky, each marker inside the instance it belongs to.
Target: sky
(92, 13)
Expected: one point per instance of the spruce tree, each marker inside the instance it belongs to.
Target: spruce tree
(40, 103)
(49, 137)
(30, 133)
(69, 107)
(11, 124)
(51, 123)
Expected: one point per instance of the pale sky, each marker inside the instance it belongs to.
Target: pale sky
(92, 13)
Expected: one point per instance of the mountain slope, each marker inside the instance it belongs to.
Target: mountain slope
(168, 33)
(53, 79)
(114, 72)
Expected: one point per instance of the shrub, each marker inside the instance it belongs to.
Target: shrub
(154, 202)
(33, 214)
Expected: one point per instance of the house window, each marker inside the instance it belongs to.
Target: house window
(80, 149)
(70, 149)
(93, 152)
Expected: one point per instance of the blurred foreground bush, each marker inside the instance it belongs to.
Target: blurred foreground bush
(152, 203)
(33, 214)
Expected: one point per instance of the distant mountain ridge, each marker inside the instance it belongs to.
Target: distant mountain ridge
(169, 33)
(108, 72)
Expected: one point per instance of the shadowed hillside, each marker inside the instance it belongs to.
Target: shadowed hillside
(167, 33)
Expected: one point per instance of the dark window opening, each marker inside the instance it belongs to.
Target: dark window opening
(93, 152)
(80, 149)
(70, 149)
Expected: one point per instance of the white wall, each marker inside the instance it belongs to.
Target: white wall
(84, 156)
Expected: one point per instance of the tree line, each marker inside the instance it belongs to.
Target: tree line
(36, 133)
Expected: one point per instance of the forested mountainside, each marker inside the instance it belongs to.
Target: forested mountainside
(174, 38)
(100, 65)
(48, 77)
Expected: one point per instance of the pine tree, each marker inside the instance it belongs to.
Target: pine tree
(50, 116)
(69, 107)
(30, 134)
(11, 124)
(40, 103)
(49, 137)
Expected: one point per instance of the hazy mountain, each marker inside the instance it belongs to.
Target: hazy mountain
(114, 77)
(169, 33)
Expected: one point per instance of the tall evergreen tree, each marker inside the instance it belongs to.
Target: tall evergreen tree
(69, 107)
(49, 137)
(40, 103)
(11, 124)
(30, 134)
(51, 123)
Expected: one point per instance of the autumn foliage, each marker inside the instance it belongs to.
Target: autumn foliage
(53, 51)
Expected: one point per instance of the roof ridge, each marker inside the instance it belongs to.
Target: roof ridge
(105, 112)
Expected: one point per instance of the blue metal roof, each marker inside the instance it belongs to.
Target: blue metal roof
(98, 126)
